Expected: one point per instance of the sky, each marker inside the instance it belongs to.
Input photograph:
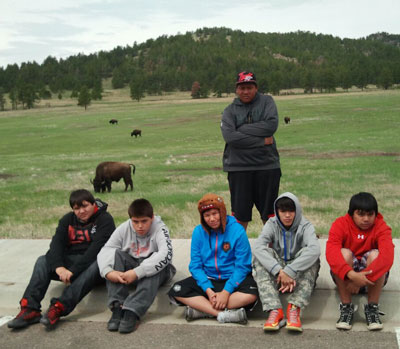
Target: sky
(33, 30)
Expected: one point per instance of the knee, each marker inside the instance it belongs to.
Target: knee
(372, 255)
(347, 255)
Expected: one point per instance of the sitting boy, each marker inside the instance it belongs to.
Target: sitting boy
(360, 252)
(139, 252)
(221, 283)
(286, 259)
(71, 259)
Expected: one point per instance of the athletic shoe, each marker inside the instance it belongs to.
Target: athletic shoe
(113, 323)
(293, 318)
(129, 322)
(345, 321)
(275, 320)
(233, 315)
(51, 318)
(372, 313)
(25, 317)
(194, 314)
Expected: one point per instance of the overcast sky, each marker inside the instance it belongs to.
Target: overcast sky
(33, 30)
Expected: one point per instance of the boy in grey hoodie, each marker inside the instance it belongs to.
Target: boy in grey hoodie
(286, 259)
(139, 252)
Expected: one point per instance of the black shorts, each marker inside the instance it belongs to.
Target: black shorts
(250, 188)
(188, 287)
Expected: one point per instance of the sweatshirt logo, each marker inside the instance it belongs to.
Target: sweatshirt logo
(226, 246)
(360, 236)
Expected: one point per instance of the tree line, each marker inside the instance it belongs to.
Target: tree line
(207, 60)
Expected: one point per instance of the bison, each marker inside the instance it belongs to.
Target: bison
(109, 171)
(113, 121)
(287, 120)
(136, 133)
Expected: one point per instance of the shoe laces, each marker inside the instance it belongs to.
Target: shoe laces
(372, 313)
(273, 315)
(293, 313)
(346, 312)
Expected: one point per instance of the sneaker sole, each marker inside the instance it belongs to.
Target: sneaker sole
(26, 324)
(375, 327)
(343, 326)
(275, 328)
(294, 328)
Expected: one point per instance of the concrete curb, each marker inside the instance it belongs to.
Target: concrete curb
(18, 257)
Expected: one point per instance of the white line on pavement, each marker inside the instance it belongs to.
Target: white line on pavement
(5, 319)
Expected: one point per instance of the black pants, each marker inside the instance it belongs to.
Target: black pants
(72, 294)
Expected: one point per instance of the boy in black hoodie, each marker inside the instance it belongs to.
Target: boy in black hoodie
(71, 259)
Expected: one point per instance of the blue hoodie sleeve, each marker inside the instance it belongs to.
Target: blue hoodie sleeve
(196, 267)
(242, 259)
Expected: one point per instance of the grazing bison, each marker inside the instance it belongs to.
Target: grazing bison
(136, 133)
(287, 120)
(113, 121)
(109, 171)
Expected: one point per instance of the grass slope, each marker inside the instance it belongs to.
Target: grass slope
(336, 145)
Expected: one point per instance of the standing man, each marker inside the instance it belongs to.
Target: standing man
(250, 156)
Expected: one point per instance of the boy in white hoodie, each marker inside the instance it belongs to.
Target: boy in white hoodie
(286, 259)
(139, 252)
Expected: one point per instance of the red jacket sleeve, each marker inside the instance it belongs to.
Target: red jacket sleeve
(333, 251)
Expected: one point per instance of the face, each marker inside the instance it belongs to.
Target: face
(142, 224)
(246, 92)
(364, 220)
(212, 218)
(85, 211)
(286, 217)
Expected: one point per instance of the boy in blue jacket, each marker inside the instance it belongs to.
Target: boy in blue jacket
(221, 283)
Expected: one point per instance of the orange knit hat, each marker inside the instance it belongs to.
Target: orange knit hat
(209, 201)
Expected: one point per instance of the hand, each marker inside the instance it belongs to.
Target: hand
(268, 140)
(129, 276)
(64, 275)
(287, 283)
(360, 279)
(115, 276)
(222, 300)
(212, 296)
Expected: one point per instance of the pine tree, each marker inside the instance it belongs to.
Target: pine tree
(137, 89)
(84, 98)
(2, 99)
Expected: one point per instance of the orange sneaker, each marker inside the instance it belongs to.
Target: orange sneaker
(293, 316)
(275, 320)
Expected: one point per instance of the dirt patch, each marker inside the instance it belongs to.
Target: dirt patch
(6, 175)
(335, 155)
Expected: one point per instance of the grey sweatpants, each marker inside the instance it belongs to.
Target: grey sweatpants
(140, 299)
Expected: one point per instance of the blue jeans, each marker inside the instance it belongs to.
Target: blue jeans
(81, 285)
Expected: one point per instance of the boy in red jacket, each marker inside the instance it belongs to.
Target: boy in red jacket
(360, 252)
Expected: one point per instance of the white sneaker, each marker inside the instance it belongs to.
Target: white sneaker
(193, 314)
(233, 315)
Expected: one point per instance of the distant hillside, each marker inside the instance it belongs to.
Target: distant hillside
(212, 57)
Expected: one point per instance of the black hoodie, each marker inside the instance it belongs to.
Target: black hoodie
(73, 237)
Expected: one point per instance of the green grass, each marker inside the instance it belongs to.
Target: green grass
(336, 145)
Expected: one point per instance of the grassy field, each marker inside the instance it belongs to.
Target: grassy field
(336, 145)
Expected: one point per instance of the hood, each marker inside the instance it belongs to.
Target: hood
(299, 213)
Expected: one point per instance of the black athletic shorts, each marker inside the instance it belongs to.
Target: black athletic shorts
(188, 287)
(250, 188)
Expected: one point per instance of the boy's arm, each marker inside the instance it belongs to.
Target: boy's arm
(242, 261)
(104, 228)
(55, 255)
(333, 251)
(309, 254)
(106, 256)
(261, 252)
(158, 260)
(196, 267)
(382, 264)
(234, 137)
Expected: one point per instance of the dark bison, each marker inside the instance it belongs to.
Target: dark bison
(287, 120)
(113, 121)
(136, 133)
(109, 171)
